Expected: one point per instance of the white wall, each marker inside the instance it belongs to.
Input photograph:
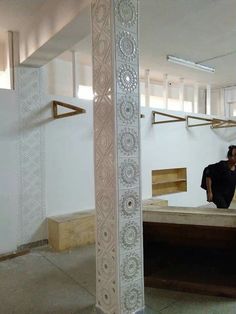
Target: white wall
(9, 160)
(69, 160)
(172, 145)
(62, 84)
(68, 163)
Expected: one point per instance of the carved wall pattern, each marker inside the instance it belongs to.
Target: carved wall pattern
(127, 100)
(105, 187)
(31, 173)
(117, 156)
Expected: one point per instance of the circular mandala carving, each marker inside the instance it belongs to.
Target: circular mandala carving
(132, 299)
(130, 235)
(127, 110)
(100, 13)
(129, 203)
(128, 141)
(127, 78)
(129, 172)
(131, 267)
(126, 13)
(127, 46)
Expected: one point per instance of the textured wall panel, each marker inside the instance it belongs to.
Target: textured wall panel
(31, 145)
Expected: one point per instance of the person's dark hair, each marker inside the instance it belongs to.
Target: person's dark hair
(230, 151)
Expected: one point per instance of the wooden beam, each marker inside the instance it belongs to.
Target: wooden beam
(76, 110)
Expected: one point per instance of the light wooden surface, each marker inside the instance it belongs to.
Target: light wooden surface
(69, 231)
(190, 216)
(154, 202)
(167, 181)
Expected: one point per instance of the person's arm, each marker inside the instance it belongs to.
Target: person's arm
(209, 190)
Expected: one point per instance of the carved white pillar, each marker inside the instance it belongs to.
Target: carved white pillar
(119, 253)
(165, 91)
(196, 91)
(75, 75)
(208, 99)
(147, 88)
(181, 93)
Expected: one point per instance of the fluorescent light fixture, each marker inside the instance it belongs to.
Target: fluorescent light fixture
(190, 64)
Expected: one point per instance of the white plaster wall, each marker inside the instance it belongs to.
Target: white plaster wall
(69, 180)
(69, 160)
(173, 145)
(62, 84)
(9, 171)
(56, 82)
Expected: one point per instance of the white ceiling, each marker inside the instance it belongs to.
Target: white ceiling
(196, 30)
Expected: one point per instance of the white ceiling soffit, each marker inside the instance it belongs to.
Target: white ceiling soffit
(15, 14)
(196, 30)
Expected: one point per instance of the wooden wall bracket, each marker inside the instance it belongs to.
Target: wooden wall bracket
(175, 118)
(76, 110)
(218, 123)
(189, 125)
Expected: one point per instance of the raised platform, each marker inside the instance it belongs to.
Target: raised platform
(190, 249)
(190, 215)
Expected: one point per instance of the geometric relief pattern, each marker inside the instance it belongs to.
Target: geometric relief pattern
(31, 174)
(128, 141)
(131, 298)
(119, 255)
(128, 138)
(129, 173)
(129, 203)
(127, 107)
(104, 152)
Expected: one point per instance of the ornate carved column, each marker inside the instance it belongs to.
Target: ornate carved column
(119, 252)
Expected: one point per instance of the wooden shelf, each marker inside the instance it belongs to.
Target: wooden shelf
(167, 181)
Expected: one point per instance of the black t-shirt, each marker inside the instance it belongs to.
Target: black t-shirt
(223, 179)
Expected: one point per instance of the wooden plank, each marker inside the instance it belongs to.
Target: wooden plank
(69, 231)
(7, 256)
(167, 181)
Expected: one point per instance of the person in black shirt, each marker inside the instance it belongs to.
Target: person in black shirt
(221, 180)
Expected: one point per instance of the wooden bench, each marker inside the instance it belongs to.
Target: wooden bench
(78, 229)
(70, 231)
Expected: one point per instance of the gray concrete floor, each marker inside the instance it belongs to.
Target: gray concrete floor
(64, 283)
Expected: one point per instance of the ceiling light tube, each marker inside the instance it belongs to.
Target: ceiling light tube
(190, 64)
